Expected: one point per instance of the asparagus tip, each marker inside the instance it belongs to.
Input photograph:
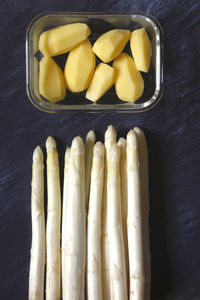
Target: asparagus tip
(122, 144)
(132, 139)
(110, 133)
(140, 133)
(138, 130)
(37, 154)
(78, 145)
(98, 150)
(67, 153)
(50, 143)
(91, 136)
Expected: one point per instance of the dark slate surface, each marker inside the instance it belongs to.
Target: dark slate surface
(172, 129)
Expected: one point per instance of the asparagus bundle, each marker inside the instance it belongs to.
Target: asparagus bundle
(53, 273)
(94, 282)
(36, 274)
(118, 253)
(74, 254)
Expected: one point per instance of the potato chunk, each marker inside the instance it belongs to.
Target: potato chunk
(141, 49)
(51, 80)
(62, 39)
(129, 84)
(110, 44)
(79, 67)
(103, 79)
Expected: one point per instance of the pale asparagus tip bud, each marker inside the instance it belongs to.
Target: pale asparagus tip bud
(132, 139)
(78, 145)
(114, 154)
(67, 153)
(110, 133)
(50, 143)
(122, 145)
(138, 130)
(98, 150)
(140, 133)
(91, 136)
(37, 154)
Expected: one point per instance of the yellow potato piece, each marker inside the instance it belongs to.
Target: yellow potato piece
(51, 80)
(79, 68)
(103, 79)
(129, 84)
(141, 49)
(110, 44)
(62, 39)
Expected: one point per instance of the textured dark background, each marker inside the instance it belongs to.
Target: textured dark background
(173, 134)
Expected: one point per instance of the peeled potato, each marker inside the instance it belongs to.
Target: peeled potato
(141, 49)
(110, 44)
(51, 80)
(103, 79)
(62, 39)
(79, 67)
(129, 84)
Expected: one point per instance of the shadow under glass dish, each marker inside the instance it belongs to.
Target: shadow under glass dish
(99, 24)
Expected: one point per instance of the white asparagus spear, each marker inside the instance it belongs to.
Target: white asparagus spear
(53, 274)
(124, 198)
(75, 254)
(89, 145)
(118, 281)
(37, 263)
(110, 139)
(143, 154)
(135, 220)
(94, 281)
(64, 211)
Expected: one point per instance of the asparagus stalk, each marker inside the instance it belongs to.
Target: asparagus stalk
(110, 139)
(53, 222)
(64, 221)
(75, 224)
(124, 198)
(135, 220)
(90, 140)
(115, 232)
(94, 282)
(37, 263)
(143, 154)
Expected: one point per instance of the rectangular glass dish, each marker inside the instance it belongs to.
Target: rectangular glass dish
(98, 23)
